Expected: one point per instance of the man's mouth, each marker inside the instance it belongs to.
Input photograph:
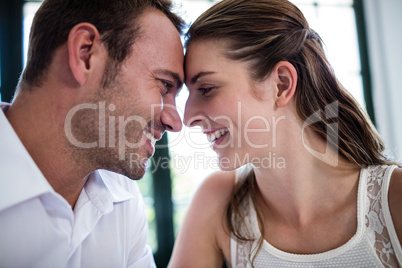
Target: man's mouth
(151, 137)
(215, 135)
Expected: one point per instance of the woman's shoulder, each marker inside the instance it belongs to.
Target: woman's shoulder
(211, 201)
(213, 195)
(219, 183)
(211, 198)
(395, 201)
(203, 229)
(215, 192)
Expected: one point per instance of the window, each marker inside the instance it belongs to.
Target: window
(335, 22)
(29, 11)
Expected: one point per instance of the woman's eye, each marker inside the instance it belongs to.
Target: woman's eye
(205, 90)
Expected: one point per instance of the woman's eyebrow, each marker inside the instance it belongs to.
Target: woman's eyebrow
(198, 76)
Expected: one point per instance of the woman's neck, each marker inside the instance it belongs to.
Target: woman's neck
(306, 184)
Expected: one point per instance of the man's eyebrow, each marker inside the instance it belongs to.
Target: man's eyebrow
(198, 76)
(175, 76)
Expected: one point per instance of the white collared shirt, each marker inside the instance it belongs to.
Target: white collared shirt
(38, 227)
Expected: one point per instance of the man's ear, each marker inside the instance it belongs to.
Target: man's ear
(83, 42)
(285, 78)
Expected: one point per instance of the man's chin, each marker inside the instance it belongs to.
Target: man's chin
(132, 170)
(132, 174)
(133, 165)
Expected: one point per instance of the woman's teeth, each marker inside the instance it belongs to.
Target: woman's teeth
(217, 134)
(149, 136)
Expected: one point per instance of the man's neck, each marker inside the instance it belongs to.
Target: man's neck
(39, 123)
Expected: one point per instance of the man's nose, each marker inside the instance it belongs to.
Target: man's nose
(170, 118)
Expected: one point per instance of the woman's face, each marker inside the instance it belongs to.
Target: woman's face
(223, 102)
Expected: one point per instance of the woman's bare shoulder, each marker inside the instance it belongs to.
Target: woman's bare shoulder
(395, 201)
(199, 242)
(218, 185)
(214, 193)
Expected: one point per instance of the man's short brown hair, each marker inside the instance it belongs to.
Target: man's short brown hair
(116, 21)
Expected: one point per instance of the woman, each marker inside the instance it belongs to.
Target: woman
(315, 189)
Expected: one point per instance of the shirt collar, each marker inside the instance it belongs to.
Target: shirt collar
(104, 189)
(20, 178)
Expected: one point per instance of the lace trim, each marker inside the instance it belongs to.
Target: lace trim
(375, 222)
(244, 249)
(242, 253)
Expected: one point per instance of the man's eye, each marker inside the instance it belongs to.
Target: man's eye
(166, 87)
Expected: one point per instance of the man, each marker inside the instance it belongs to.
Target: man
(99, 89)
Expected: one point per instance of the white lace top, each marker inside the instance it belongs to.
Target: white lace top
(375, 243)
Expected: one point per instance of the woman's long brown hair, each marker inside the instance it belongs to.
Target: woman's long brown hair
(264, 32)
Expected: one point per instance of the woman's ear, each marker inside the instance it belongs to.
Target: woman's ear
(284, 76)
(84, 45)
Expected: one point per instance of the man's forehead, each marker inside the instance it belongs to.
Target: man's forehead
(159, 47)
(157, 23)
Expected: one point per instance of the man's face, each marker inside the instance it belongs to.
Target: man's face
(140, 103)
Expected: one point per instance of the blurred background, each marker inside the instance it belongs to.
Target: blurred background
(363, 42)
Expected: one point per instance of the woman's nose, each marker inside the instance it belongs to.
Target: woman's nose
(192, 114)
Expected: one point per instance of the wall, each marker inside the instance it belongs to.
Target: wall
(384, 35)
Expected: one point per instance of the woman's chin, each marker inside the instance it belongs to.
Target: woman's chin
(226, 164)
